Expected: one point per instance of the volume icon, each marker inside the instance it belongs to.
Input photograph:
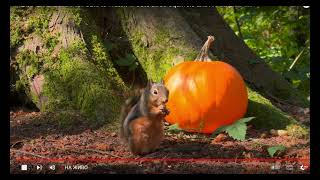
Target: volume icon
(52, 167)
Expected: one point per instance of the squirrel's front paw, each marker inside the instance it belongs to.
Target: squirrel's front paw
(166, 111)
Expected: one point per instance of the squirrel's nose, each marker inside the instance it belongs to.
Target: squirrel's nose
(165, 100)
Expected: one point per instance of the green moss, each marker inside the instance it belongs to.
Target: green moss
(78, 85)
(267, 115)
(26, 20)
(28, 62)
(15, 37)
(32, 70)
(15, 27)
(34, 97)
(81, 79)
(28, 67)
(98, 51)
(161, 36)
(76, 15)
(38, 22)
(19, 86)
(50, 41)
(297, 131)
(67, 119)
(158, 59)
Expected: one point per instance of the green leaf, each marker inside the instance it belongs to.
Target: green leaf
(236, 130)
(272, 150)
(174, 128)
(290, 52)
(244, 120)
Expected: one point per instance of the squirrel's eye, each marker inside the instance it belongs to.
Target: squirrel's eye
(155, 92)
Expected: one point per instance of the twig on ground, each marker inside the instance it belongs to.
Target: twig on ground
(28, 153)
(15, 143)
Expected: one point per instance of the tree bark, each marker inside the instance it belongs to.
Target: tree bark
(77, 74)
(159, 37)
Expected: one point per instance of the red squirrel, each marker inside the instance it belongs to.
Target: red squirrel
(142, 119)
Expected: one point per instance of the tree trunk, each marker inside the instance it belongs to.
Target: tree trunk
(64, 66)
(160, 38)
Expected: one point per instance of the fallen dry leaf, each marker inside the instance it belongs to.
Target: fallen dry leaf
(102, 147)
(219, 138)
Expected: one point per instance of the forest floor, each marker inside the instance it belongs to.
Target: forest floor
(36, 139)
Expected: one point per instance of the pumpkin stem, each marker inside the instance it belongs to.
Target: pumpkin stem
(203, 55)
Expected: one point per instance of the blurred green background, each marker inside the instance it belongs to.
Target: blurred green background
(278, 34)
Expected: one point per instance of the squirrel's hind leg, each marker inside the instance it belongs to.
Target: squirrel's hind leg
(139, 140)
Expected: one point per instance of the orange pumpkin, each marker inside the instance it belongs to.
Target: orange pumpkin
(205, 95)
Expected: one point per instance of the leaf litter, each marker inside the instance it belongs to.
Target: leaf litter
(181, 152)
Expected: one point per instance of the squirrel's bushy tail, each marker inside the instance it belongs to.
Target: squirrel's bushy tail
(129, 103)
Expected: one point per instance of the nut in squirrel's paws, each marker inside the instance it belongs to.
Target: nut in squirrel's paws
(166, 111)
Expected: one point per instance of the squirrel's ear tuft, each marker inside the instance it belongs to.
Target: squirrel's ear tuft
(162, 82)
(149, 84)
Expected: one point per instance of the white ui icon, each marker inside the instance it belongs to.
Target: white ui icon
(24, 167)
(39, 167)
(52, 167)
(302, 167)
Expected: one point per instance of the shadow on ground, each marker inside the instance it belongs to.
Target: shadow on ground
(34, 125)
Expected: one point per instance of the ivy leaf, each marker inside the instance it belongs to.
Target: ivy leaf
(272, 150)
(236, 130)
(244, 120)
(174, 128)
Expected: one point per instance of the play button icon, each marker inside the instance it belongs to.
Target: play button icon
(39, 167)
